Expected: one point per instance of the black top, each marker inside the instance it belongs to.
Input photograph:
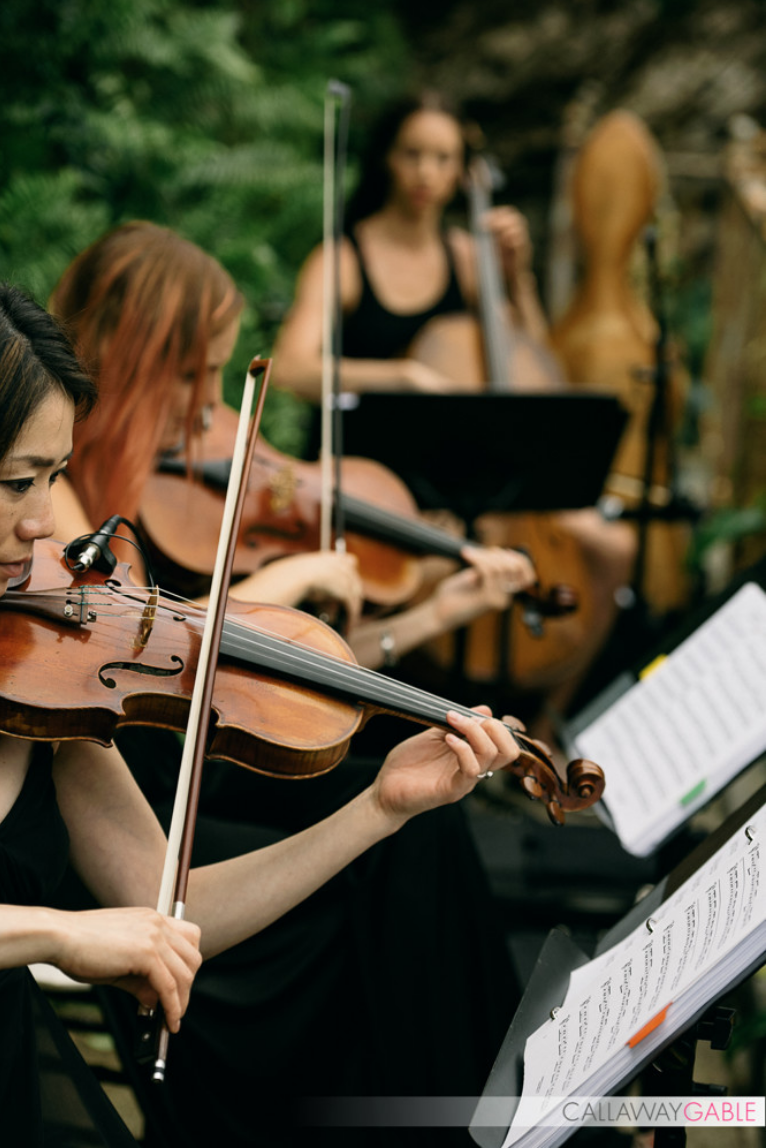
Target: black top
(46, 1089)
(374, 332)
(34, 843)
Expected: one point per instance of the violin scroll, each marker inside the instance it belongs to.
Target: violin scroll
(539, 779)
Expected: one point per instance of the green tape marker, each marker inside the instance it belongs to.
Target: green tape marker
(690, 796)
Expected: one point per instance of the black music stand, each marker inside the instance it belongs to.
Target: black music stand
(471, 453)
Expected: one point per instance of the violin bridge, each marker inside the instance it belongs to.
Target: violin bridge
(147, 619)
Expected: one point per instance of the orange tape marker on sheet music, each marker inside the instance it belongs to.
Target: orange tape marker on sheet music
(650, 1026)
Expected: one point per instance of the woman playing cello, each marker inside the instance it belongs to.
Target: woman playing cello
(401, 269)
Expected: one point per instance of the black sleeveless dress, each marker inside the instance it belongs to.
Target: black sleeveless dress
(392, 979)
(371, 331)
(48, 1095)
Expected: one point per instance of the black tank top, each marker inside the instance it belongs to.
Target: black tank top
(373, 332)
(34, 843)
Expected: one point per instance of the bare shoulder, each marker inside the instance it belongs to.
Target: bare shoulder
(311, 279)
(14, 751)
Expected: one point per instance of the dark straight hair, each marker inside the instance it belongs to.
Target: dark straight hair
(36, 358)
(374, 181)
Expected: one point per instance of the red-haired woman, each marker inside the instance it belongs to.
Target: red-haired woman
(156, 319)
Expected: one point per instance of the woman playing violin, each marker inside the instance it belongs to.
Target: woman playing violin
(79, 798)
(156, 319)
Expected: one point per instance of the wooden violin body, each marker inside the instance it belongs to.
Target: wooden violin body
(83, 655)
(281, 515)
(385, 531)
(79, 668)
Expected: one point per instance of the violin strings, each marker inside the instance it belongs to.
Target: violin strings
(256, 644)
(361, 683)
(397, 528)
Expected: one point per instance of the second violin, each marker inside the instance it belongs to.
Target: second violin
(385, 530)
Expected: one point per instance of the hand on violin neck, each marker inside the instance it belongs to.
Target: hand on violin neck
(436, 768)
(489, 582)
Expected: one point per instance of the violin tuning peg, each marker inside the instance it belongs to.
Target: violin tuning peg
(531, 787)
(555, 812)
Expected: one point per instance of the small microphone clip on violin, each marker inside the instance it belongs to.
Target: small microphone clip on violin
(92, 550)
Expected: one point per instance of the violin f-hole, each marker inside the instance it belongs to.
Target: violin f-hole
(139, 668)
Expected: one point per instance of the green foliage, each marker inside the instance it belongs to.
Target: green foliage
(202, 117)
(728, 525)
(44, 221)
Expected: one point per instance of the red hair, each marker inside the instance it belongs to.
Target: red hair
(141, 303)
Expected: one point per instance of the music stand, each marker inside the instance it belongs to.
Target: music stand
(472, 453)
(547, 987)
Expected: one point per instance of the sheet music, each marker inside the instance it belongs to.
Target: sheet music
(680, 734)
(612, 999)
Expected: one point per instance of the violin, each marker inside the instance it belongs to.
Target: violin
(384, 528)
(85, 654)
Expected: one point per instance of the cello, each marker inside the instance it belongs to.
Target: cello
(491, 355)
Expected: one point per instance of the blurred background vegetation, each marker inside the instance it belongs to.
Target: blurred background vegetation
(200, 116)
(207, 117)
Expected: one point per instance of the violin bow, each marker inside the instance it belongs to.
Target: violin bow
(335, 148)
(175, 876)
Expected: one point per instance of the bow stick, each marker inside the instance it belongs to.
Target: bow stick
(331, 450)
(175, 876)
